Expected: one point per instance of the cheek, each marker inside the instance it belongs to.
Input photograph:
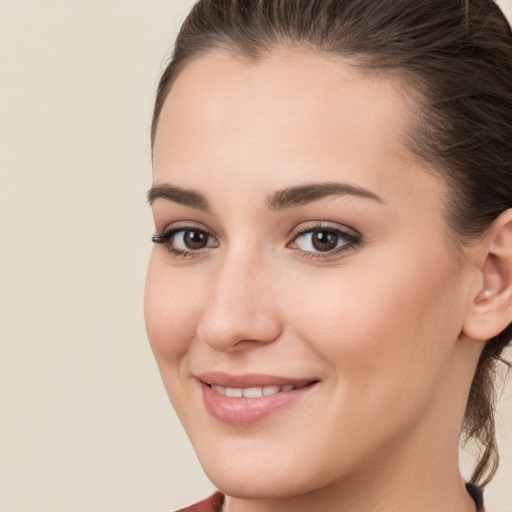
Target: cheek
(384, 325)
(171, 311)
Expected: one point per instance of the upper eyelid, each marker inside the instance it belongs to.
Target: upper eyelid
(184, 225)
(314, 226)
(351, 238)
(172, 231)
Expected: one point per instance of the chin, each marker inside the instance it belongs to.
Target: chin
(264, 473)
(258, 486)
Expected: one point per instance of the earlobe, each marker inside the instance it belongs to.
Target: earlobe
(490, 310)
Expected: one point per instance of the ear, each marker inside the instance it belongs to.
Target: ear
(490, 310)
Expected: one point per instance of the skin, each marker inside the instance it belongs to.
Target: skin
(388, 326)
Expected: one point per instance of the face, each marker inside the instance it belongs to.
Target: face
(298, 290)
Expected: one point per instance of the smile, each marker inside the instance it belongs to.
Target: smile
(255, 392)
(246, 400)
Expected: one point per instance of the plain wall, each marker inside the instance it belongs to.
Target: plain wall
(85, 424)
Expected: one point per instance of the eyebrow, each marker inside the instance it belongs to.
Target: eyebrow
(303, 194)
(178, 195)
(289, 197)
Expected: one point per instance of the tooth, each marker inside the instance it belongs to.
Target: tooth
(219, 389)
(234, 392)
(253, 392)
(270, 390)
(288, 387)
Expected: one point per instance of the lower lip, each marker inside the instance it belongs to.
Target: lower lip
(245, 411)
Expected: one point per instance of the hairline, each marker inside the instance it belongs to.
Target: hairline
(363, 63)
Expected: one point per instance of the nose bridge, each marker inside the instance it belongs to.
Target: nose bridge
(240, 306)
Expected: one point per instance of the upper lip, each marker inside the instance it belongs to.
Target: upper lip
(250, 380)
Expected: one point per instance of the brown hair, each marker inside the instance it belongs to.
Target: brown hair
(457, 57)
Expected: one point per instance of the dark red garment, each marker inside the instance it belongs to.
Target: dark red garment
(214, 502)
(211, 504)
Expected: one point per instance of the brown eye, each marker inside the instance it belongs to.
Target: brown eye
(186, 241)
(324, 240)
(195, 239)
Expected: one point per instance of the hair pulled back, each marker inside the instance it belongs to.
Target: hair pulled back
(454, 55)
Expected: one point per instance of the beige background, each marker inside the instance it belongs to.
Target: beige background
(84, 421)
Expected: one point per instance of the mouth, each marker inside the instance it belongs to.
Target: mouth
(248, 399)
(257, 391)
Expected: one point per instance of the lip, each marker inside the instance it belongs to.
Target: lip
(246, 411)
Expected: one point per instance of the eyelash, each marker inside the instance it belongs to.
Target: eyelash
(165, 238)
(353, 240)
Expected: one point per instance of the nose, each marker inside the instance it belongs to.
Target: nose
(240, 310)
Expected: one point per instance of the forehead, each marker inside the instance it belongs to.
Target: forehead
(289, 91)
(291, 117)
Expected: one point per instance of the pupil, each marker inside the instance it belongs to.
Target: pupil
(195, 239)
(324, 240)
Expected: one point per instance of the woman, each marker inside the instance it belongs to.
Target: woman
(331, 284)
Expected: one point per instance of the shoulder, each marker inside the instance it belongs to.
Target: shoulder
(211, 504)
